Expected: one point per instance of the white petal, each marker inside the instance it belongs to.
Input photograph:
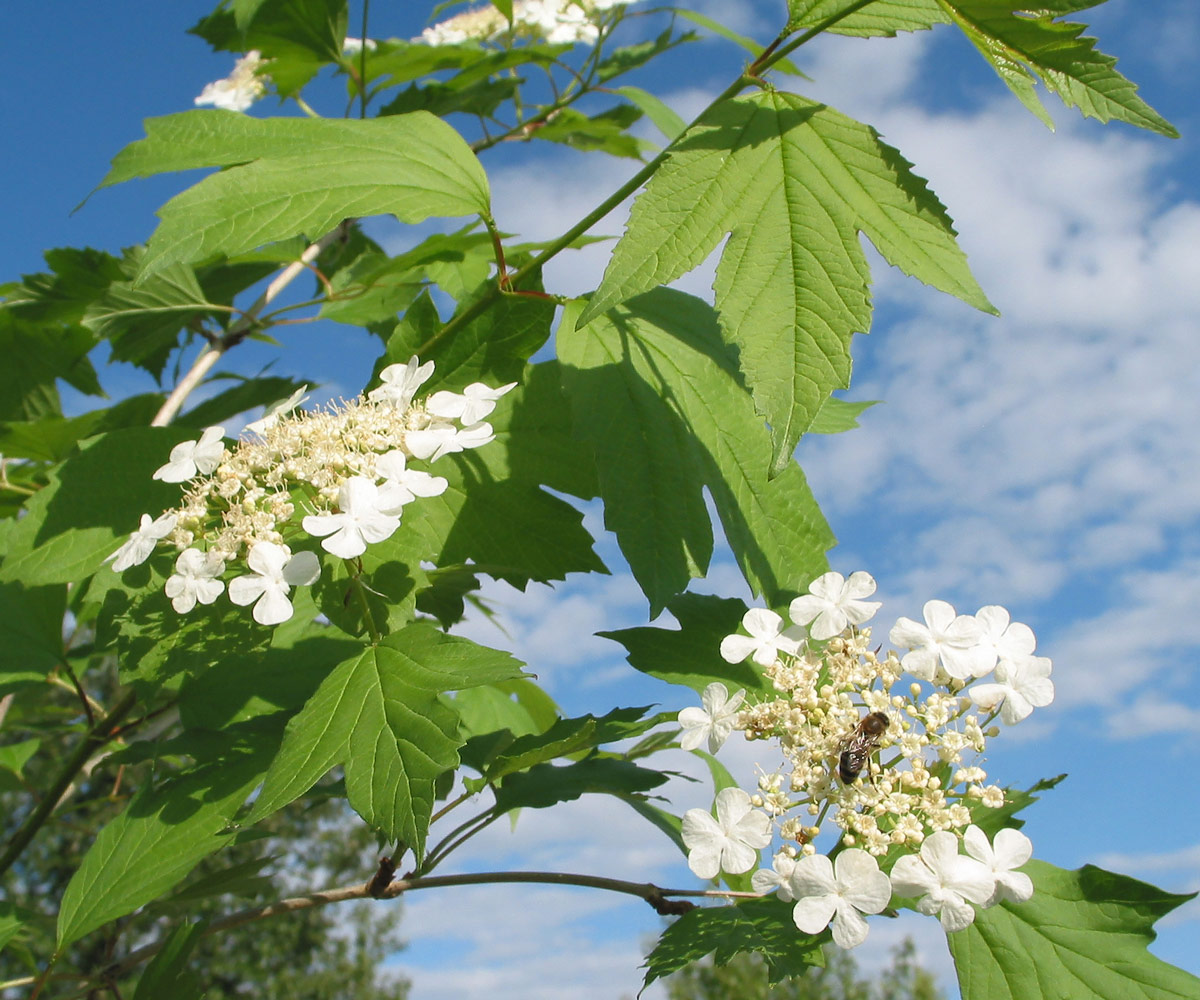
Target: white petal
(267, 559)
(303, 568)
(345, 543)
(805, 608)
(938, 615)
(849, 927)
(813, 913)
(861, 584)
(1014, 886)
(911, 877)
(988, 696)
(738, 857)
(245, 590)
(829, 623)
(273, 608)
(956, 914)
(828, 586)
(812, 876)
(320, 525)
(736, 647)
(909, 634)
(1012, 848)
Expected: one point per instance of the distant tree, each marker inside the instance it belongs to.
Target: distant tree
(745, 978)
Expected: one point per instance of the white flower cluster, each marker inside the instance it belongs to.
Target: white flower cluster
(555, 21)
(842, 706)
(346, 468)
(240, 89)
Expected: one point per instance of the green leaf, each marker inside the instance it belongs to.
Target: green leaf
(79, 276)
(13, 920)
(605, 131)
(378, 714)
(545, 785)
(87, 509)
(35, 356)
(879, 17)
(510, 529)
(243, 686)
(143, 322)
(298, 36)
(665, 120)
(31, 621)
(496, 345)
(628, 57)
(794, 183)
(837, 415)
(756, 925)
(1024, 44)
(653, 390)
(245, 395)
(297, 175)
(155, 644)
(375, 287)
(1083, 935)
(54, 439)
(167, 974)
(245, 879)
(568, 736)
(15, 756)
(480, 97)
(690, 655)
(162, 834)
(534, 438)
(749, 44)
(494, 505)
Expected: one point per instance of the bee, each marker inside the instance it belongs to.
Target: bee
(858, 746)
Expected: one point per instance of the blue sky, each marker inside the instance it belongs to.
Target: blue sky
(1048, 460)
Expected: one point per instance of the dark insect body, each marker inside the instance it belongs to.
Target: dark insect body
(860, 744)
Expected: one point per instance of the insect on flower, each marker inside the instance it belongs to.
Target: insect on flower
(858, 746)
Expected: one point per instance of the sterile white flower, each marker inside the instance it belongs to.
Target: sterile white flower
(273, 412)
(777, 877)
(946, 881)
(431, 443)
(1007, 639)
(841, 891)
(195, 579)
(470, 406)
(1022, 684)
(361, 518)
(1008, 851)
(730, 842)
(952, 640)
(765, 641)
(714, 722)
(188, 458)
(276, 571)
(409, 483)
(833, 602)
(401, 382)
(142, 541)
(238, 90)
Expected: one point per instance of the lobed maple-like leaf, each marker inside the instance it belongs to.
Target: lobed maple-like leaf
(794, 183)
(1083, 935)
(1025, 44)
